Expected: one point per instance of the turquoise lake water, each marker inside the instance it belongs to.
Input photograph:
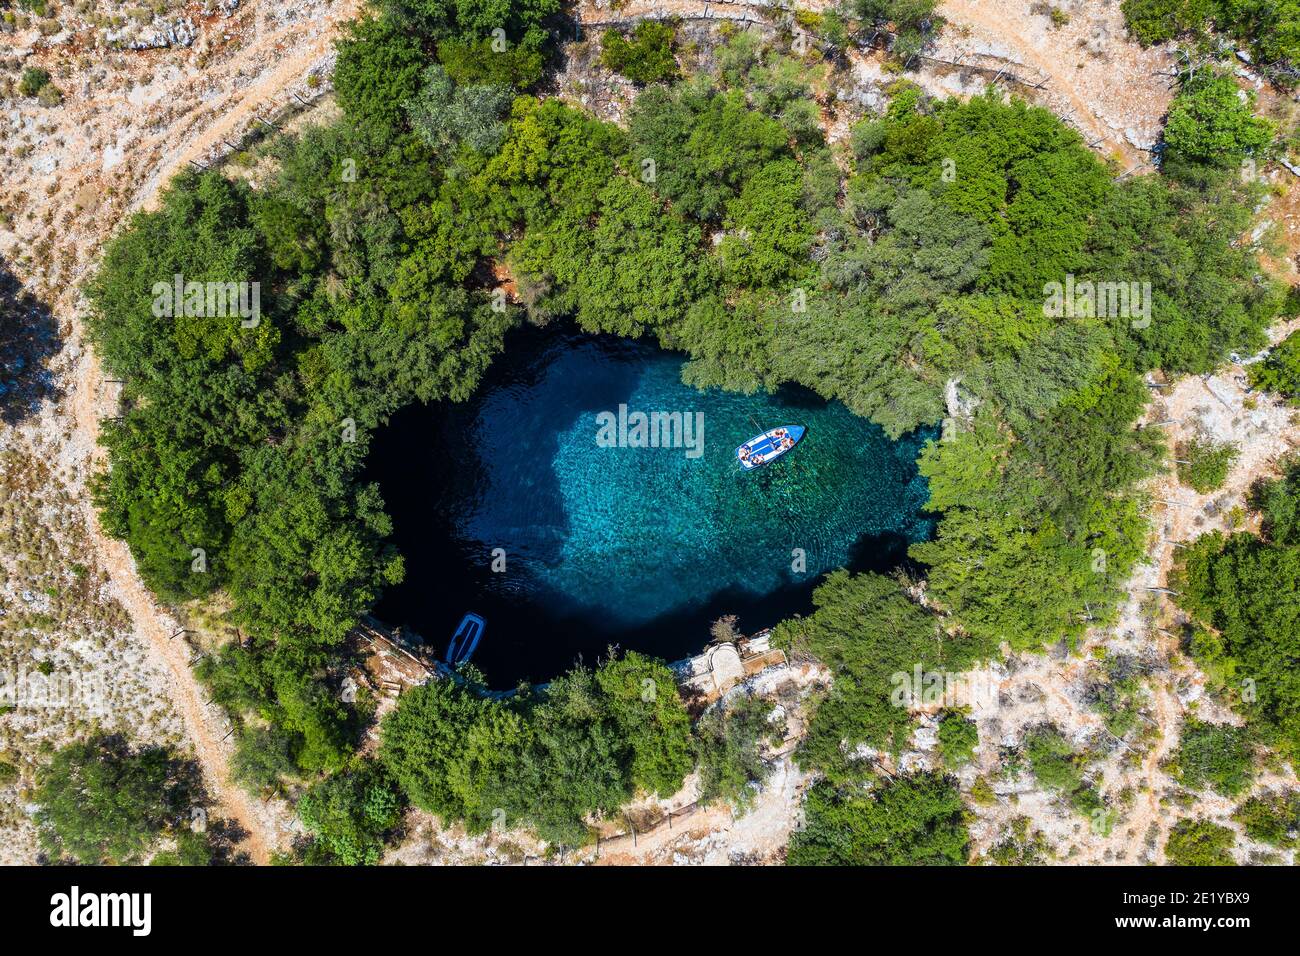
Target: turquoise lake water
(636, 546)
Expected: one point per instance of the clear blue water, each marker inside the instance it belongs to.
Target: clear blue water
(636, 546)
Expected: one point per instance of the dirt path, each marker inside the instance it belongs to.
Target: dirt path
(204, 724)
(208, 131)
(206, 126)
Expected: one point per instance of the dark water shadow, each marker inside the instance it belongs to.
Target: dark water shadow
(800, 397)
(536, 641)
(29, 339)
(428, 484)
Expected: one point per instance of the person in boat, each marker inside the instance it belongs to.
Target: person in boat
(744, 452)
(779, 433)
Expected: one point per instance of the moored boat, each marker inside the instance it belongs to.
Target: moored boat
(465, 640)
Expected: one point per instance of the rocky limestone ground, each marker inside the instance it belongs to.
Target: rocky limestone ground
(69, 663)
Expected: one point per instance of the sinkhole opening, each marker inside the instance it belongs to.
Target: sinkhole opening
(536, 506)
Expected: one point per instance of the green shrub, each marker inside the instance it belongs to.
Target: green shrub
(263, 757)
(1021, 846)
(1053, 760)
(907, 18)
(1278, 502)
(103, 802)
(350, 815)
(916, 820)
(1271, 818)
(958, 738)
(1210, 123)
(1157, 21)
(33, 80)
(1121, 696)
(1206, 464)
(1057, 766)
(189, 849)
(981, 791)
(1280, 371)
(1199, 843)
(647, 57)
(1215, 755)
(729, 741)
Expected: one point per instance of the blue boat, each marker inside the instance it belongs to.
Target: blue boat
(769, 446)
(465, 640)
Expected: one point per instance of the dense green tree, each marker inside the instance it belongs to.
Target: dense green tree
(350, 815)
(378, 69)
(915, 820)
(446, 115)
(101, 801)
(522, 20)
(1247, 590)
(197, 385)
(704, 144)
(1209, 121)
(1272, 818)
(1207, 295)
(434, 741)
(640, 694)
(876, 640)
(33, 80)
(1199, 843)
(1215, 755)
(306, 560)
(729, 743)
(644, 56)
(1272, 28)
(718, 224)
(1034, 540)
(546, 759)
(1053, 761)
(575, 762)
(1269, 28)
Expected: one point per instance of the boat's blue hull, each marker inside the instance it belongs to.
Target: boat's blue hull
(465, 640)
